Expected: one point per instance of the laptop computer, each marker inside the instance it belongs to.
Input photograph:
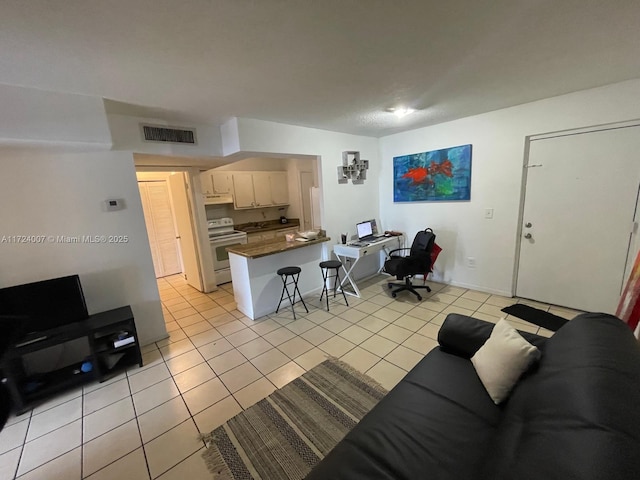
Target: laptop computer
(366, 233)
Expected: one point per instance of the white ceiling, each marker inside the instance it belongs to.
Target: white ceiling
(329, 64)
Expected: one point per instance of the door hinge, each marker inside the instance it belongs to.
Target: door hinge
(534, 165)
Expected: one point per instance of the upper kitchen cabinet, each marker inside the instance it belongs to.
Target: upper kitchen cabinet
(279, 188)
(216, 182)
(243, 188)
(260, 189)
(205, 181)
(222, 182)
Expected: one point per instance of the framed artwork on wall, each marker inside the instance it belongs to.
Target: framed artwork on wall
(436, 176)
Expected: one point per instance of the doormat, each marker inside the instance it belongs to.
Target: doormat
(285, 435)
(535, 315)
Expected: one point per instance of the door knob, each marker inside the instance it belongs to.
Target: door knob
(528, 225)
(528, 235)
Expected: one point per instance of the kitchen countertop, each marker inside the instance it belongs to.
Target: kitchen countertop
(268, 226)
(271, 247)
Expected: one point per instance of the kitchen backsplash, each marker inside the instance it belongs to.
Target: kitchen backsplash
(245, 216)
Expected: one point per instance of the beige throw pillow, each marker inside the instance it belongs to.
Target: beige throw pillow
(503, 358)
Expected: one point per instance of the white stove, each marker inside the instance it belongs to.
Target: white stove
(223, 227)
(221, 236)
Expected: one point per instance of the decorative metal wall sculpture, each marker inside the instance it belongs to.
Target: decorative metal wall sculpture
(352, 168)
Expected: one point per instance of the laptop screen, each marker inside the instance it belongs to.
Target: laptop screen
(364, 229)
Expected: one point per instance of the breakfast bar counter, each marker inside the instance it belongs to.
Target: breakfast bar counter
(257, 287)
(269, 247)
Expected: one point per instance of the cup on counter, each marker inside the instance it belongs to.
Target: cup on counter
(343, 237)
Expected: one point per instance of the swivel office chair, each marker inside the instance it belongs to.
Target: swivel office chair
(417, 262)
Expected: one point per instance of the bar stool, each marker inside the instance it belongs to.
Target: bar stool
(331, 265)
(289, 276)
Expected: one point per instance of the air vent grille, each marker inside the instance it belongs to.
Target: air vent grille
(155, 133)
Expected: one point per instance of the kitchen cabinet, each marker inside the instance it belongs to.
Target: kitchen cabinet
(205, 182)
(243, 188)
(222, 182)
(216, 182)
(260, 189)
(282, 232)
(255, 237)
(279, 183)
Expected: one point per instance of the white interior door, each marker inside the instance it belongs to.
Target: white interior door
(186, 235)
(581, 194)
(306, 182)
(161, 229)
(148, 220)
(165, 229)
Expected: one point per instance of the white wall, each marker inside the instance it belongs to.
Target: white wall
(62, 194)
(37, 117)
(343, 205)
(498, 140)
(256, 164)
(126, 135)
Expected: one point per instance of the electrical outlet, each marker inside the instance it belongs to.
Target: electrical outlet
(471, 262)
(488, 213)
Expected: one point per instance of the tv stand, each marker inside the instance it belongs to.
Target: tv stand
(101, 331)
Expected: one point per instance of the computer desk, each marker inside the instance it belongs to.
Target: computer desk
(356, 253)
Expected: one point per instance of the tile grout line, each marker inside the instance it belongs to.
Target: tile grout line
(82, 435)
(144, 451)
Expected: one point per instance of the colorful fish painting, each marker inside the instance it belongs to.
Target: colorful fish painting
(421, 174)
(438, 175)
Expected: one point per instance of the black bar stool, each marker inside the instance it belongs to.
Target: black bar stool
(294, 273)
(331, 265)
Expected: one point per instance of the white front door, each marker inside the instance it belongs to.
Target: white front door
(186, 235)
(581, 194)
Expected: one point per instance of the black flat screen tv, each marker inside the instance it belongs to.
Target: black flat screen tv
(46, 304)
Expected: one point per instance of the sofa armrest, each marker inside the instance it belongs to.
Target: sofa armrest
(463, 336)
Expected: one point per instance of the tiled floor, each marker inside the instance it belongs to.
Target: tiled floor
(145, 423)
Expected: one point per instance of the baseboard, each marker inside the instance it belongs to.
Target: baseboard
(149, 342)
(479, 288)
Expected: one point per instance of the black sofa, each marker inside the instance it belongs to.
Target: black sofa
(574, 415)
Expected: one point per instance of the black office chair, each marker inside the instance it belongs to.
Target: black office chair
(417, 262)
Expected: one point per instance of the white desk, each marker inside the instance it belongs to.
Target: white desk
(356, 253)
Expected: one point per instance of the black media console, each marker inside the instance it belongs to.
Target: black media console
(113, 346)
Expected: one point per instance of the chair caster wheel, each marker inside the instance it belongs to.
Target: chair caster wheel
(394, 295)
(419, 298)
(390, 285)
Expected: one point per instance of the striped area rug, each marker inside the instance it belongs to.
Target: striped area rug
(285, 435)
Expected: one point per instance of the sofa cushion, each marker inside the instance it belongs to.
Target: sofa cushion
(578, 416)
(502, 360)
(436, 423)
(464, 335)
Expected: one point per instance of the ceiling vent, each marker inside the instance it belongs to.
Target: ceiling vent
(164, 134)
